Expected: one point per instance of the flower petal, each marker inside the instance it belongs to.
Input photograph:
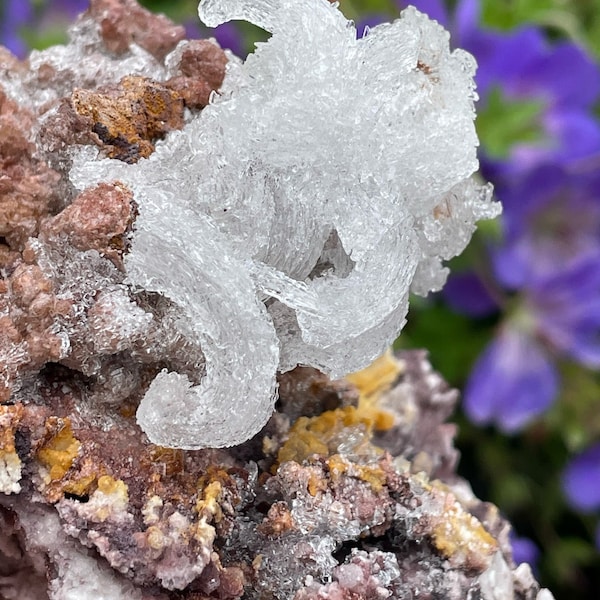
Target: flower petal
(581, 480)
(466, 19)
(576, 135)
(524, 550)
(507, 59)
(551, 221)
(568, 73)
(567, 306)
(13, 15)
(512, 383)
(466, 294)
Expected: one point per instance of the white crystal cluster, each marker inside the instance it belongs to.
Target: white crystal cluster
(290, 218)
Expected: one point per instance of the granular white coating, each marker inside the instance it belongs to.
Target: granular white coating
(290, 218)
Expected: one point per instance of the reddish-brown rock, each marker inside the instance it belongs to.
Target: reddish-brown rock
(26, 183)
(98, 219)
(201, 70)
(123, 22)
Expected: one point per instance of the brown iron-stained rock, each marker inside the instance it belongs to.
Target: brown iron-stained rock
(26, 183)
(52, 236)
(28, 312)
(202, 59)
(112, 488)
(123, 22)
(98, 219)
(305, 391)
(9, 62)
(64, 127)
(128, 118)
(201, 70)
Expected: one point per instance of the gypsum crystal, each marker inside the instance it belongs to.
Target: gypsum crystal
(328, 178)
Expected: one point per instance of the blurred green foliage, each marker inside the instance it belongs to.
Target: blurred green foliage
(505, 123)
(578, 20)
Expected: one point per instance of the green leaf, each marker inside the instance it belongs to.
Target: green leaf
(510, 13)
(575, 415)
(578, 21)
(567, 554)
(503, 123)
(50, 36)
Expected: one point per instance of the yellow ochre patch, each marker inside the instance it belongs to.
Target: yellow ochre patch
(59, 453)
(372, 382)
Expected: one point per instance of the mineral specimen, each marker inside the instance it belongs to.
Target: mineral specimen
(90, 507)
(179, 230)
(290, 218)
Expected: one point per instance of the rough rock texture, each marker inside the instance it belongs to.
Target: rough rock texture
(62, 298)
(127, 118)
(124, 22)
(26, 183)
(321, 511)
(349, 491)
(200, 68)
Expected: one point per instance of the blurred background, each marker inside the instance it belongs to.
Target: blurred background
(517, 327)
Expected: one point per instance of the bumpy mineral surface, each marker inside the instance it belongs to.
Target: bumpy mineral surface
(349, 492)
(350, 489)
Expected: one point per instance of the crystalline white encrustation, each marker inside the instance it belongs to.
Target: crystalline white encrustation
(291, 217)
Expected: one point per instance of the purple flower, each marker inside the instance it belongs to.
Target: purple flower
(581, 480)
(524, 550)
(229, 36)
(551, 221)
(15, 14)
(561, 80)
(467, 294)
(512, 382)
(567, 309)
(515, 380)
(547, 92)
